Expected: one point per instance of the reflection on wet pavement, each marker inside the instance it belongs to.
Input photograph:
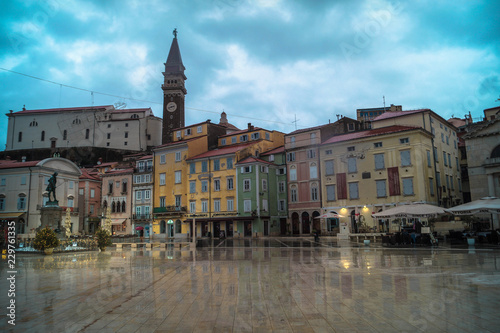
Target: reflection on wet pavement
(250, 285)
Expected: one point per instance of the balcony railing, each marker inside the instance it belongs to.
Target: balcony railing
(492, 161)
(141, 216)
(170, 209)
(145, 169)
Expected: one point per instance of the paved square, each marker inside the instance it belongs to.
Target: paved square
(265, 285)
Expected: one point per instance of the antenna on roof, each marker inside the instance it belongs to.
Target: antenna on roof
(383, 97)
(295, 121)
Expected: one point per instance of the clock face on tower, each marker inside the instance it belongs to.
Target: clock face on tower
(171, 107)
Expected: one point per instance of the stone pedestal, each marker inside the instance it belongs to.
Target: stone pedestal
(51, 216)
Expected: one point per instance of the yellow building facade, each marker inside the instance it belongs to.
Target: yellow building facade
(445, 149)
(171, 176)
(212, 183)
(369, 171)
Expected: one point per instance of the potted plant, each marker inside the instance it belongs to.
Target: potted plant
(46, 240)
(103, 238)
(470, 221)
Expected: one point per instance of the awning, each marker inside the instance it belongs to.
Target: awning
(4, 216)
(412, 210)
(329, 215)
(483, 205)
(221, 219)
(118, 221)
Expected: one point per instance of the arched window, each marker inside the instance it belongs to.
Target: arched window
(293, 193)
(87, 133)
(105, 204)
(314, 192)
(77, 121)
(65, 135)
(496, 152)
(33, 123)
(113, 207)
(20, 227)
(20, 137)
(123, 206)
(124, 186)
(21, 202)
(43, 136)
(134, 116)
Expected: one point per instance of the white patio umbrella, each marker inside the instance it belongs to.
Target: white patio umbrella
(411, 210)
(483, 205)
(329, 215)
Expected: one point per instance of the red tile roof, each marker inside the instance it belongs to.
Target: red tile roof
(130, 110)
(369, 133)
(246, 130)
(280, 149)
(10, 164)
(89, 174)
(252, 159)
(118, 172)
(223, 151)
(178, 142)
(80, 108)
(146, 157)
(105, 164)
(393, 114)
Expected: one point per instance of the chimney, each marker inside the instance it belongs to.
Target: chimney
(24, 107)
(394, 108)
(249, 126)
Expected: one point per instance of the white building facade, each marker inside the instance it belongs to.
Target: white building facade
(23, 191)
(99, 126)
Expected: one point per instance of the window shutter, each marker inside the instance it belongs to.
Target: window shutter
(394, 186)
(341, 186)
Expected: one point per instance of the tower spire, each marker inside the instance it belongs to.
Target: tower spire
(174, 91)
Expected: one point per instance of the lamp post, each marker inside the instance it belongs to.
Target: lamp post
(193, 243)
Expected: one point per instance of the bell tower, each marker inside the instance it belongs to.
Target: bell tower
(174, 92)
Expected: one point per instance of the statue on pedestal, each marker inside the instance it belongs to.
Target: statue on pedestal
(51, 187)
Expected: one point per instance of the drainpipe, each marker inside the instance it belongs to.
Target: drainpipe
(211, 227)
(29, 197)
(435, 164)
(257, 193)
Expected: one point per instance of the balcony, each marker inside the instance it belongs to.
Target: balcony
(170, 209)
(490, 162)
(145, 169)
(142, 216)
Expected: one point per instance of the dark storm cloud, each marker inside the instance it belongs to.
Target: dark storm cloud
(270, 59)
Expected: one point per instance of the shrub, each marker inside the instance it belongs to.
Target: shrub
(103, 238)
(45, 239)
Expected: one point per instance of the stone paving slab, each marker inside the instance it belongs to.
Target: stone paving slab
(266, 285)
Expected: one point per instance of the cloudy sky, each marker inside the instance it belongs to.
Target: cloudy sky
(268, 62)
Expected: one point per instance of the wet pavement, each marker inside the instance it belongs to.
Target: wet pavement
(264, 285)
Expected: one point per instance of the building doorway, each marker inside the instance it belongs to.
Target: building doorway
(266, 228)
(283, 228)
(170, 229)
(229, 229)
(248, 228)
(354, 225)
(295, 224)
(306, 226)
(316, 222)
